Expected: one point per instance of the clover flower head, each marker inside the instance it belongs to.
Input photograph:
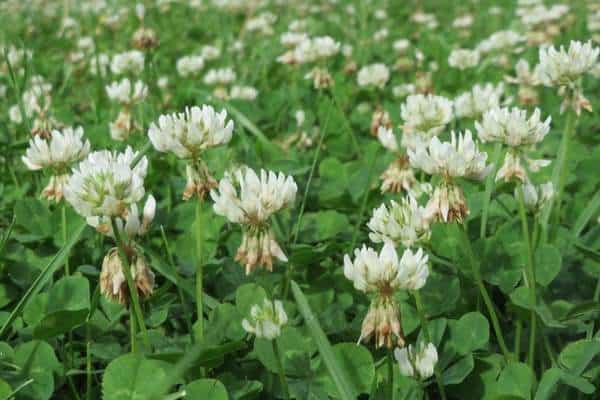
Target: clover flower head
(375, 75)
(460, 157)
(478, 100)
(426, 114)
(463, 58)
(189, 65)
(512, 127)
(189, 133)
(219, 76)
(562, 67)
(266, 320)
(419, 363)
(106, 183)
(126, 92)
(129, 62)
(403, 223)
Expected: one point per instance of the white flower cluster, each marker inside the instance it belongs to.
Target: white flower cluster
(219, 76)
(245, 198)
(418, 363)
(536, 196)
(463, 58)
(426, 114)
(563, 67)
(501, 41)
(478, 100)
(311, 50)
(243, 92)
(129, 62)
(512, 127)
(189, 133)
(375, 75)
(372, 272)
(58, 154)
(402, 223)
(458, 158)
(188, 66)
(106, 183)
(127, 93)
(266, 320)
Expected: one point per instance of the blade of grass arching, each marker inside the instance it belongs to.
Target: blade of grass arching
(16, 88)
(142, 152)
(344, 386)
(7, 234)
(43, 277)
(588, 212)
(245, 121)
(363, 204)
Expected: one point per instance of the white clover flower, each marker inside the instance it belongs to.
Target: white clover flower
(458, 158)
(189, 133)
(106, 183)
(426, 114)
(219, 76)
(243, 92)
(387, 138)
(266, 320)
(292, 39)
(372, 272)
(512, 127)
(536, 196)
(58, 154)
(501, 41)
(129, 226)
(312, 49)
(189, 65)
(478, 100)
(463, 21)
(210, 52)
(398, 176)
(127, 93)
(248, 199)
(129, 62)
(563, 67)
(122, 127)
(524, 74)
(420, 363)
(373, 75)
(401, 45)
(463, 58)
(404, 90)
(381, 34)
(403, 223)
(99, 64)
(383, 274)
(113, 284)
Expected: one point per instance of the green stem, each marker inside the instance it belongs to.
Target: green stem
(559, 173)
(186, 313)
(519, 330)
(425, 326)
(489, 187)
(484, 293)
(529, 274)
(199, 272)
(133, 293)
(64, 235)
(132, 337)
(390, 382)
(88, 362)
(282, 378)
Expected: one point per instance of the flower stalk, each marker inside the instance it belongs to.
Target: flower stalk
(281, 372)
(199, 272)
(137, 310)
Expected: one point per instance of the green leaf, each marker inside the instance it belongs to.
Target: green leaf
(547, 264)
(516, 380)
(440, 293)
(458, 371)
(43, 277)
(5, 389)
(357, 363)
(206, 389)
(33, 215)
(470, 332)
(133, 377)
(576, 356)
(291, 340)
(323, 225)
(344, 385)
(67, 307)
(38, 362)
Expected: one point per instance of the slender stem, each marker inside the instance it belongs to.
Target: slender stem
(425, 326)
(390, 382)
(529, 273)
(484, 293)
(64, 235)
(186, 313)
(282, 378)
(88, 362)
(559, 173)
(489, 187)
(199, 272)
(519, 330)
(133, 293)
(132, 333)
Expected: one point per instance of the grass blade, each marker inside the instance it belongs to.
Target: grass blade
(588, 212)
(344, 386)
(43, 277)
